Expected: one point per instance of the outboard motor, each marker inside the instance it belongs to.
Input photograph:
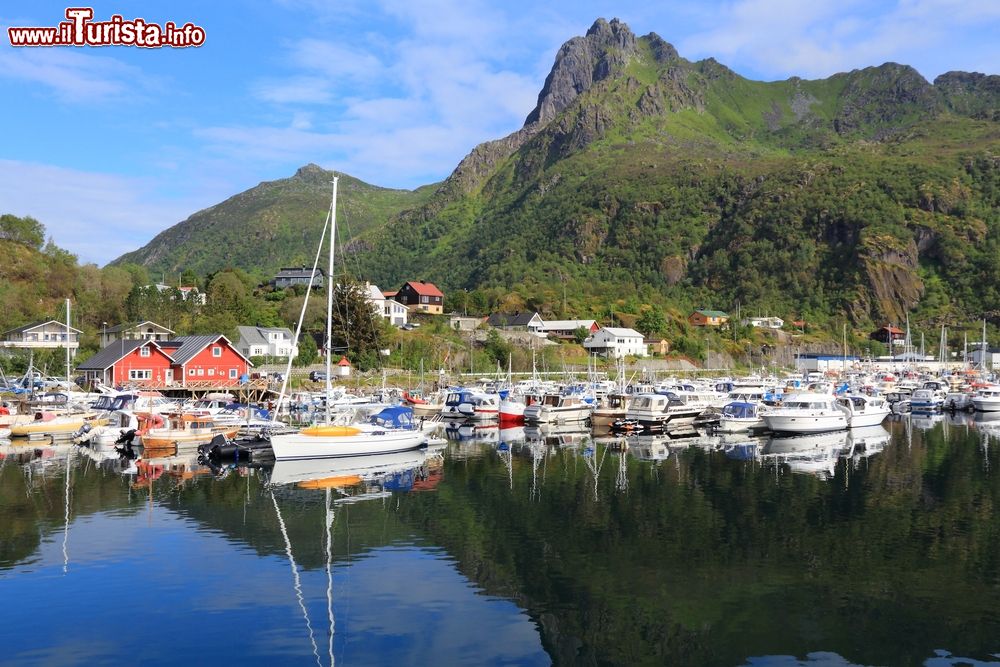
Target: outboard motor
(127, 438)
(219, 449)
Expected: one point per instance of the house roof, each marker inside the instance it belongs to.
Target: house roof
(34, 325)
(374, 293)
(298, 272)
(892, 330)
(561, 325)
(424, 288)
(511, 319)
(390, 293)
(621, 331)
(110, 355)
(184, 348)
(711, 313)
(128, 326)
(256, 335)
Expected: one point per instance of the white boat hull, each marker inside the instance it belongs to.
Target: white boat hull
(806, 423)
(545, 414)
(298, 446)
(991, 404)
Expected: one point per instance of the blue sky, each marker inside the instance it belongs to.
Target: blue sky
(109, 146)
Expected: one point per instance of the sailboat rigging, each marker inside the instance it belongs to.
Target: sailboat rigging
(391, 430)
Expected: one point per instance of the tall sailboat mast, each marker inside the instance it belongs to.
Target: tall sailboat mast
(329, 298)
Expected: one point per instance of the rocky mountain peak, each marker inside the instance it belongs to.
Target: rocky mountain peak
(580, 63)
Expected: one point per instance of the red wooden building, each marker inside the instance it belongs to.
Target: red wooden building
(205, 359)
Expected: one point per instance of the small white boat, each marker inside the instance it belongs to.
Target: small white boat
(740, 416)
(807, 413)
(659, 411)
(469, 404)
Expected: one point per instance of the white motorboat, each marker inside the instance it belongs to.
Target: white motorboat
(987, 399)
(558, 408)
(740, 416)
(864, 410)
(807, 413)
(611, 408)
(469, 404)
(659, 411)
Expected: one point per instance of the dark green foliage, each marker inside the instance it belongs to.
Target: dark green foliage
(26, 230)
(308, 354)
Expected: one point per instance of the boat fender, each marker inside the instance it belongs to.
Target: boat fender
(4, 410)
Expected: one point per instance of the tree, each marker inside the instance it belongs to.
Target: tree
(651, 322)
(308, 354)
(580, 334)
(356, 329)
(24, 230)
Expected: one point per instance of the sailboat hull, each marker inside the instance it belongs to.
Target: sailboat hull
(300, 446)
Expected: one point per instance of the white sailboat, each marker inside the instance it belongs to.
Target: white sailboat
(391, 430)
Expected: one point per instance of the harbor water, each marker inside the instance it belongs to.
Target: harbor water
(515, 547)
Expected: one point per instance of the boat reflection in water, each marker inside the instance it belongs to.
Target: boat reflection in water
(558, 435)
(815, 454)
(649, 447)
(360, 477)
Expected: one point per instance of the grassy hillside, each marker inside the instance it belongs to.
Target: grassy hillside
(274, 224)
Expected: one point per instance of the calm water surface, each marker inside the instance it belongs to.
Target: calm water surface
(515, 547)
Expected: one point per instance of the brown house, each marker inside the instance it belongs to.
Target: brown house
(889, 335)
(708, 318)
(658, 346)
(421, 297)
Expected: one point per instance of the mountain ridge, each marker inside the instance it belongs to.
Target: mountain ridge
(640, 174)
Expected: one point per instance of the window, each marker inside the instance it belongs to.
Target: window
(191, 372)
(142, 374)
(201, 371)
(216, 351)
(143, 351)
(232, 373)
(211, 372)
(423, 299)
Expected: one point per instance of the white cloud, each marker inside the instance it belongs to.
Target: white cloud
(780, 38)
(96, 216)
(73, 76)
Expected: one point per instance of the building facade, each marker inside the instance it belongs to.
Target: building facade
(708, 318)
(139, 331)
(617, 342)
(420, 296)
(50, 334)
(292, 276)
(266, 342)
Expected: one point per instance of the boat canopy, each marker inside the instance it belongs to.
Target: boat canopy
(740, 410)
(397, 416)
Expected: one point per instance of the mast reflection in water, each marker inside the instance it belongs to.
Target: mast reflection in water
(516, 546)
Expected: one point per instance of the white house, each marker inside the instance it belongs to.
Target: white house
(141, 331)
(186, 291)
(763, 322)
(266, 342)
(566, 328)
(389, 309)
(617, 342)
(51, 334)
(395, 312)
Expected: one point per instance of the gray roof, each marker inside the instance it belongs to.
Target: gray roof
(510, 319)
(184, 348)
(28, 327)
(107, 357)
(298, 272)
(255, 335)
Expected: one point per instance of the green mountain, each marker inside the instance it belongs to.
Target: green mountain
(642, 175)
(275, 224)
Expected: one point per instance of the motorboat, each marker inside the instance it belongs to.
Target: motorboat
(470, 404)
(808, 413)
(864, 410)
(926, 399)
(612, 408)
(987, 399)
(181, 430)
(659, 411)
(557, 408)
(391, 430)
(740, 416)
